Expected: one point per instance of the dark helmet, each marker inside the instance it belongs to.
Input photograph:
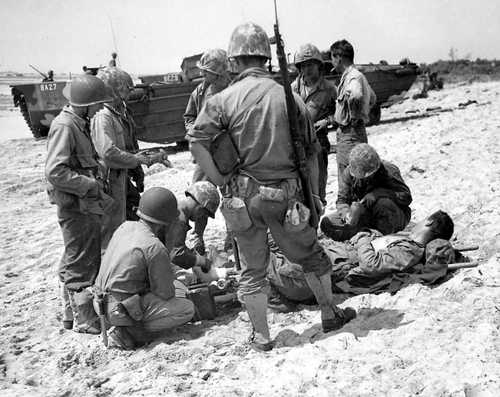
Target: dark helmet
(86, 90)
(307, 52)
(364, 161)
(214, 61)
(205, 194)
(158, 205)
(249, 39)
(117, 81)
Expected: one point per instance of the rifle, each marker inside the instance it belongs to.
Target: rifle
(463, 265)
(296, 136)
(36, 70)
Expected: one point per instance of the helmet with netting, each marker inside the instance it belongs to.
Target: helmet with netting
(205, 194)
(249, 39)
(364, 161)
(214, 61)
(117, 81)
(307, 52)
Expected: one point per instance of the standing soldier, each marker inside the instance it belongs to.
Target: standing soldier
(214, 68)
(319, 95)
(355, 98)
(74, 185)
(112, 132)
(264, 191)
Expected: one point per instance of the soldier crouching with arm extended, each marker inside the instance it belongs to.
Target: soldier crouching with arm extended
(136, 278)
(372, 194)
(264, 191)
(112, 130)
(72, 172)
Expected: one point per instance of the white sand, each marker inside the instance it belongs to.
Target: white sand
(442, 341)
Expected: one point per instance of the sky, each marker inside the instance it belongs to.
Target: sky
(153, 36)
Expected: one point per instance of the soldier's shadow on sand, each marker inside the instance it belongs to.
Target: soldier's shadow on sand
(367, 320)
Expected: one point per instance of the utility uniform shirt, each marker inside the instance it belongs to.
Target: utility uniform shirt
(395, 254)
(355, 98)
(136, 262)
(72, 164)
(198, 97)
(387, 182)
(253, 111)
(319, 99)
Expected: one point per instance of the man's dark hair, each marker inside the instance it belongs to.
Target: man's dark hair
(442, 225)
(343, 48)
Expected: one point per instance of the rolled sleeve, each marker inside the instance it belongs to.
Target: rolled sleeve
(208, 124)
(58, 170)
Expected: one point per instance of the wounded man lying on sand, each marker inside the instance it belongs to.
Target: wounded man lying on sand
(370, 262)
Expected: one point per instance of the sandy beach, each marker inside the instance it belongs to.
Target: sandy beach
(440, 341)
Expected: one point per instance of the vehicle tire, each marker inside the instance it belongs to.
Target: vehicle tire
(375, 114)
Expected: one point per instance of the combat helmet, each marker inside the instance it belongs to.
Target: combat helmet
(158, 205)
(364, 161)
(117, 81)
(214, 61)
(205, 194)
(86, 90)
(249, 39)
(307, 52)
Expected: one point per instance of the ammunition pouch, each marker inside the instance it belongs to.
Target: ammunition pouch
(236, 214)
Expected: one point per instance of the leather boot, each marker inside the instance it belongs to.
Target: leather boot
(67, 312)
(84, 317)
(121, 338)
(256, 306)
(332, 317)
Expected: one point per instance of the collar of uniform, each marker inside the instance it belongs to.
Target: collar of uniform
(346, 72)
(80, 121)
(113, 110)
(254, 72)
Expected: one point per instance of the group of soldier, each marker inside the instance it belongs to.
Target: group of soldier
(130, 260)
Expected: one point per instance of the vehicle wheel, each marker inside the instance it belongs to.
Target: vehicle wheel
(375, 114)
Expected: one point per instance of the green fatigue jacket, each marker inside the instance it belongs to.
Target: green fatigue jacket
(112, 134)
(198, 97)
(319, 99)
(136, 262)
(355, 98)
(253, 110)
(72, 165)
(387, 182)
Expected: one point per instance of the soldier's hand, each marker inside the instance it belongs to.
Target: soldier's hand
(357, 238)
(320, 124)
(369, 200)
(143, 159)
(206, 266)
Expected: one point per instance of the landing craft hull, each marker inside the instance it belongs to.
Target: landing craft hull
(158, 108)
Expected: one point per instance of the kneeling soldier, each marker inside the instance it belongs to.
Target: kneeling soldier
(136, 277)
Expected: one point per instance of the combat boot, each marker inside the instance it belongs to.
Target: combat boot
(332, 317)
(120, 338)
(84, 317)
(67, 312)
(256, 306)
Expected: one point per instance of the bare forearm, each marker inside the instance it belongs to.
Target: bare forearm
(205, 161)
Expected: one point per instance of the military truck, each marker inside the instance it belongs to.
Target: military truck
(159, 102)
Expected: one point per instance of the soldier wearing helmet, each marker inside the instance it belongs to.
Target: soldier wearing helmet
(264, 187)
(214, 68)
(136, 277)
(199, 203)
(372, 194)
(113, 134)
(75, 186)
(354, 101)
(319, 96)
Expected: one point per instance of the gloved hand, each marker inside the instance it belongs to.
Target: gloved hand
(369, 200)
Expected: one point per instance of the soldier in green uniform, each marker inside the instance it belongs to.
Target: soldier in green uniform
(264, 190)
(75, 185)
(319, 95)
